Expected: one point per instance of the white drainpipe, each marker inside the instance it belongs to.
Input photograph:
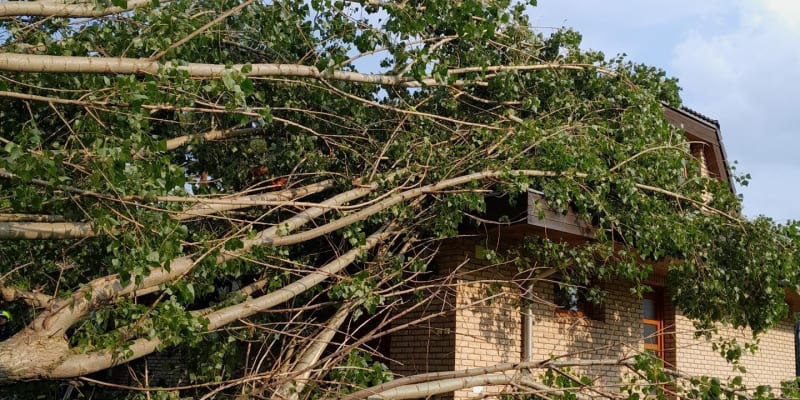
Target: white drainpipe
(527, 327)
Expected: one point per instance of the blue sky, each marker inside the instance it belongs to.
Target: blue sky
(738, 61)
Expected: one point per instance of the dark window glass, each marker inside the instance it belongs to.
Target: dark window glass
(573, 301)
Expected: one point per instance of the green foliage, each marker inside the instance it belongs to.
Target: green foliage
(490, 95)
(358, 371)
(652, 379)
(563, 383)
(360, 287)
(748, 267)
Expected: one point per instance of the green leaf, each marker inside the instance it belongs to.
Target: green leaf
(153, 257)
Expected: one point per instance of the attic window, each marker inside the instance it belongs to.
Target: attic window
(573, 301)
(699, 153)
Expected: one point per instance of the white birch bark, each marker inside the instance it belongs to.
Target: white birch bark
(64, 364)
(60, 9)
(117, 65)
(45, 230)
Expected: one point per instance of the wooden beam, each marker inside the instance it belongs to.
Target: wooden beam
(541, 215)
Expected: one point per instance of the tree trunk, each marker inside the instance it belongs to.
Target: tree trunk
(58, 9)
(44, 230)
(31, 355)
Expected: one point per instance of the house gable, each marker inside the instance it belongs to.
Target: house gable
(699, 130)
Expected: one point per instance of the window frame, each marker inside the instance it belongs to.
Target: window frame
(657, 348)
(582, 308)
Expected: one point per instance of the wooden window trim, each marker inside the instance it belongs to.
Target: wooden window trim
(658, 303)
(562, 313)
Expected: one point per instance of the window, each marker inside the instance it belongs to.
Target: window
(698, 151)
(653, 324)
(573, 301)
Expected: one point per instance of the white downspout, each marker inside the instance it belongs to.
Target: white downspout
(527, 327)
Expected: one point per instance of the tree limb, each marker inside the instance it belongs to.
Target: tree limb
(68, 311)
(433, 388)
(23, 230)
(213, 206)
(214, 134)
(459, 375)
(291, 389)
(118, 65)
(30, 218)
(45, 230)
(59, 9)
(82, 364)
(396, 199)
(35, 299)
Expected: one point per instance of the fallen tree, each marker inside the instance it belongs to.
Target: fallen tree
(204, 176)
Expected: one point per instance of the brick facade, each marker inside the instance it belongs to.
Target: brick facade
(484, 328)
(614, 334)
(488, 332)
(773, 363)
(427, 346)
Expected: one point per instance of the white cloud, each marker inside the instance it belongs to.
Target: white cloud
(626, 14)
(784, 12)
(748, 77)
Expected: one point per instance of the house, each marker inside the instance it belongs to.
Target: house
(469, 331)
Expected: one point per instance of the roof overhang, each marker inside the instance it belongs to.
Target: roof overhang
(699, 128)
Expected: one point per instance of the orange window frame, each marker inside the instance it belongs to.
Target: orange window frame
(658, 323)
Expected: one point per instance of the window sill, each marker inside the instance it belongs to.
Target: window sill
(575, 318)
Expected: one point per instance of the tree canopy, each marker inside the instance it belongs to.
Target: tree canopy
(225, 177)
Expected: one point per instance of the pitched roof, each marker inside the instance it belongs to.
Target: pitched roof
(715, 140)
(700, 116)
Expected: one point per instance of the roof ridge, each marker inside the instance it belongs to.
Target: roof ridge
(700, 115)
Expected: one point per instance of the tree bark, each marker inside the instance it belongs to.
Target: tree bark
(459, 375)
(117, 65)
(58, 9)
(393, 200)
(45, 230)
(30, 218)
(291, 390)
(70, 310)
(31, 355)
(174, 143)
(25, 230)
(227, 204)
(51, 358)
(35, 299)
(428, 389)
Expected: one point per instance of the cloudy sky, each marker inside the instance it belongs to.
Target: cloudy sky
(738, 61)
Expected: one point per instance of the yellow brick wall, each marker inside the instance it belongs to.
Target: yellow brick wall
(485, 328)
(426, 346)
(429, 346)
(615, 336)
(773, 363)
(488, 322)
(490, 332)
